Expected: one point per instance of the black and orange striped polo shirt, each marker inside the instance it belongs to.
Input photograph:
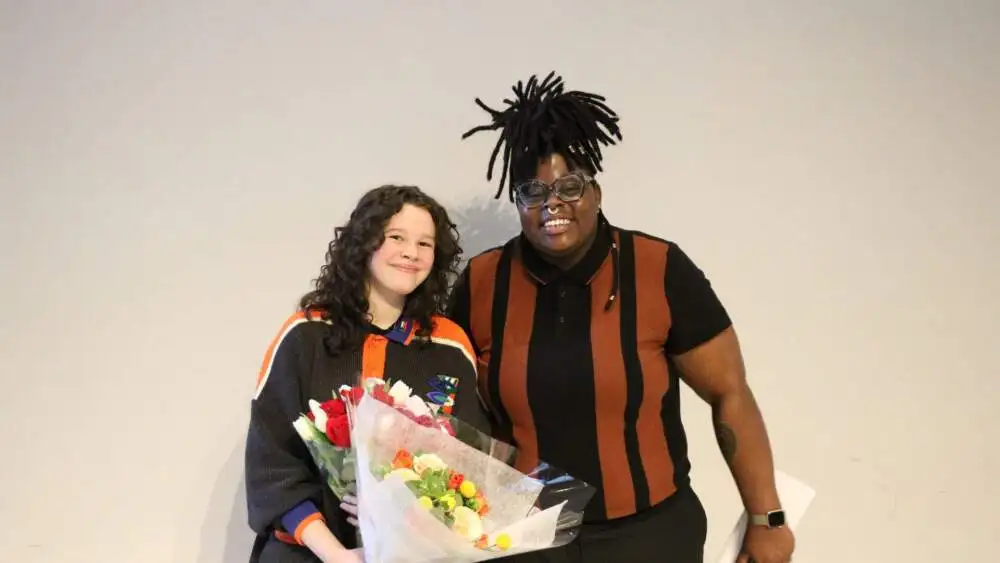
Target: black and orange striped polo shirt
(582, 382)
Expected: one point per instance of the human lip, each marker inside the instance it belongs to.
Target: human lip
(406, 268)
(556, 226)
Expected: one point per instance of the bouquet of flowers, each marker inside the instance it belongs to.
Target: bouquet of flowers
(326, 432)
(431, 488)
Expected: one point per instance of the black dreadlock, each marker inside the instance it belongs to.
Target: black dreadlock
(544, 119)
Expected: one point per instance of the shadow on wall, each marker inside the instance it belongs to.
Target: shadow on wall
(484, 223)
(225, 535)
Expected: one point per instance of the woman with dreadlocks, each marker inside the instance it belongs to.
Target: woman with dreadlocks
(582, 331)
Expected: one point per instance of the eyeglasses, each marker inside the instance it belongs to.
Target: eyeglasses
(568, 188)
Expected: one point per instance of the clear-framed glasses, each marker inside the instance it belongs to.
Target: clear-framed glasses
(568, 188)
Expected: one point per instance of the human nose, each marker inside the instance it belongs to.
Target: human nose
(551, 199)
(410, 251)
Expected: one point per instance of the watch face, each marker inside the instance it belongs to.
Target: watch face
(776, 519)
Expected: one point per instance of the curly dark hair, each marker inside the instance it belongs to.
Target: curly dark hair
(340, 295)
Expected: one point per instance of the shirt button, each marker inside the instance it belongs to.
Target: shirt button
(562, 292)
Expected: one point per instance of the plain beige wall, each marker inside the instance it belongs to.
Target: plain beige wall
(171, 172)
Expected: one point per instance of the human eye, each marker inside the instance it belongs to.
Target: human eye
(571, 183)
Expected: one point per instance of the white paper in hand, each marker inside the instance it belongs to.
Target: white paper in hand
(795, 497)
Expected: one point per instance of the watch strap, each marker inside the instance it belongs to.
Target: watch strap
(772, 519)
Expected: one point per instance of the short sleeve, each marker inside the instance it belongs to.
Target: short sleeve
(697, 314)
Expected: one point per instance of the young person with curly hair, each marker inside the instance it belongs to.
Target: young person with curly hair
(375, 311)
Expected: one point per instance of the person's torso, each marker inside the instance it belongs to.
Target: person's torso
(578, 383)
(433, 369)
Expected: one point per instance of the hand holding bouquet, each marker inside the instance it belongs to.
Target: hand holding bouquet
(431, 488)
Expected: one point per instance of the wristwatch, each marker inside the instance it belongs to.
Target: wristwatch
(773, 519)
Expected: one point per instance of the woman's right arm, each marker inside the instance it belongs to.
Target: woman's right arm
(283, 493)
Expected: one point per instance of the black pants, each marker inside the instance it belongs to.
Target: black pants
(674, 531)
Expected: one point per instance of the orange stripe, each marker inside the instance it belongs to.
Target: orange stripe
(482, 282)
(514, 365)
(314, 517)
(297, 317)
(653, 327)
(373, 356)
(609, 380)
(447, 329)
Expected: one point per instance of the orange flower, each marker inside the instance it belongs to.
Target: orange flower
(484, 507)
(402, 460)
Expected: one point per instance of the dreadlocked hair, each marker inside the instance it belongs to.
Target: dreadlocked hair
(544, 119)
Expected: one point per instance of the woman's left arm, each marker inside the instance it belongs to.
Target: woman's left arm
(703, 346)
(706, 352)
(715, 371)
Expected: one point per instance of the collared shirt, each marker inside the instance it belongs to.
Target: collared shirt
(584, 386)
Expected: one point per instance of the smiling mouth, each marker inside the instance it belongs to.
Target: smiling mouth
(555, 226)
(407, 269)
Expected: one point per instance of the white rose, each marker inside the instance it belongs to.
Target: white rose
(303, 427)
(467, 523)
(370, 383)
(318, 414)
(404, 474)
(424, 462)
(400, 392)
(417, 406)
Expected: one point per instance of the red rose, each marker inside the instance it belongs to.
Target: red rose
(356, 394)
(381, 395)
(338, 430)
(353, 394)
(334, 408)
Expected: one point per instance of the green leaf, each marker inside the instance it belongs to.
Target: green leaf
(436, 482)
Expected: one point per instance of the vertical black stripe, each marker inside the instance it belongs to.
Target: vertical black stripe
(674, 427)
(498, 317)
(561, 385)
(633, 369)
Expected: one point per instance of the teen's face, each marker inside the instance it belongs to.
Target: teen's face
(558, 228)
(406, 256)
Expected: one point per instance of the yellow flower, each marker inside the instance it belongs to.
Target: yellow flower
(468, 489)
(426, 502)
(503, 541)
(448, 502)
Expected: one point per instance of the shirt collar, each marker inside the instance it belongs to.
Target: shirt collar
(582, 272)
(401, 332)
